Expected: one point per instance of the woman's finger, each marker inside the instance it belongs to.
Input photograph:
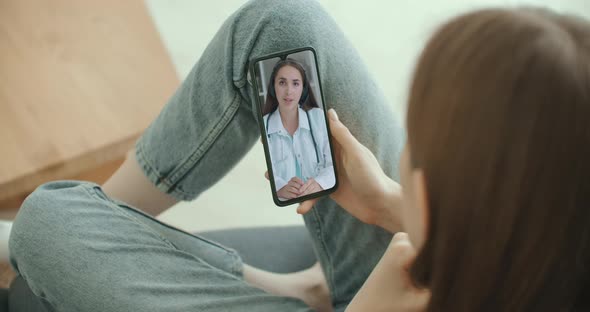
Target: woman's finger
(295, 184)
(340, 132)
(294, 190)
(403, 250)
(266, 175)
(306, 206)
(290, 194)
(297, 180)
(316, 188)
(313, 187)
(305, 186)
(400, 237)
(294, 181)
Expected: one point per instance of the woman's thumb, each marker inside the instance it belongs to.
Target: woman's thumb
(339, 130)
(332, 114)
(401, 250)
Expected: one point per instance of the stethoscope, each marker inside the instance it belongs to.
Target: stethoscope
(310, 129)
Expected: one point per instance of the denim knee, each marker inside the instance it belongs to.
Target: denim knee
(39, 224)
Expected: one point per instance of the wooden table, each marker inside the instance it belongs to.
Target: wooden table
(80, 81)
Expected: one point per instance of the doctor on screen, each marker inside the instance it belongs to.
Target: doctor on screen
(296, 132)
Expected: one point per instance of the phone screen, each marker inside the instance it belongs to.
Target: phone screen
(294, 127)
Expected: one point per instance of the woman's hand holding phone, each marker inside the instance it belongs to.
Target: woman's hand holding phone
(364, 190)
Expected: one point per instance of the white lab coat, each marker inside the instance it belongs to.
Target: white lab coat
(284, 150)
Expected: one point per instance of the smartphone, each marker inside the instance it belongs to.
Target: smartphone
(293, 123)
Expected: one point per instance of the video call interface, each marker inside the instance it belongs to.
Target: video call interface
(295, 125)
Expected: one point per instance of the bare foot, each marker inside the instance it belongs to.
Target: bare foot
(308, 285)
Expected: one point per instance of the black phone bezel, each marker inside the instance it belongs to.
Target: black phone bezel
(254, 83)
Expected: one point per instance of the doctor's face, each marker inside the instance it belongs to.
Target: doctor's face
(288, 87)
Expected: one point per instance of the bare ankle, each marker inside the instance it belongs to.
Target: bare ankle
(308, 285)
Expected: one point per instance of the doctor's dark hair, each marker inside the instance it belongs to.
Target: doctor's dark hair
(499, 122)
(307, 100)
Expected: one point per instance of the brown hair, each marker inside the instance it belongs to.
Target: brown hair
(499, 121)
(307, 100)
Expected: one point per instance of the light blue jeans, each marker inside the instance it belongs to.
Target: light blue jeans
(80, 250)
